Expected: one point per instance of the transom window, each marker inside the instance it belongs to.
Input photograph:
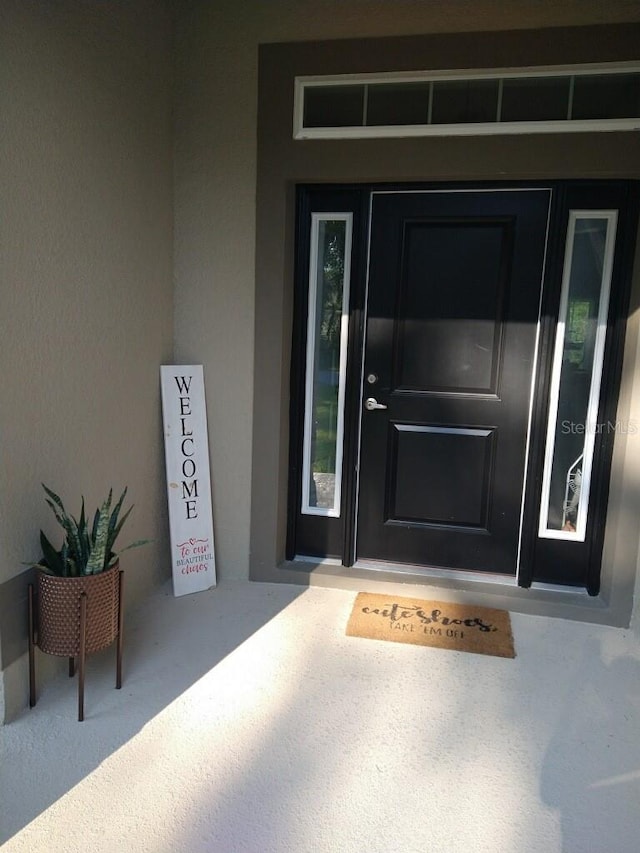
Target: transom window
(456, 103)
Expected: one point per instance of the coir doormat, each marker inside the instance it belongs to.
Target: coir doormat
(462, 627)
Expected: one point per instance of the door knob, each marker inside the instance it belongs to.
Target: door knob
(371, 404)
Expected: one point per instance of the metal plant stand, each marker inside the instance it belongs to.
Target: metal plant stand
(73, 617)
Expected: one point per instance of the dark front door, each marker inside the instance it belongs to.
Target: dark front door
(452, 316)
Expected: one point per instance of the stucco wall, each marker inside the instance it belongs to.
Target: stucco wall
(86, 275)
(215, 182)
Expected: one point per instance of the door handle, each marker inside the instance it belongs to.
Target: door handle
(371, 404)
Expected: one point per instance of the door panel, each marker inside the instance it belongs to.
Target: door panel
(449, 341)
(453, 307)
(439, 456)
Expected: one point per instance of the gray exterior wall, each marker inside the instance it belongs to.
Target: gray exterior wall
(86, 281)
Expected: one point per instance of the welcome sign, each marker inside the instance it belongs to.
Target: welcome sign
(186, 449)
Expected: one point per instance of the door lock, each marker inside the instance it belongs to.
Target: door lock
(371, 404)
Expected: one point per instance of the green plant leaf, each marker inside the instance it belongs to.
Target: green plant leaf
(94, 527)
(113, 533)
(135, 544)
(72, 568)
(65, 562)
(74, 542)
(83, 538)
(54, 498)
(116, 510)
(114, 527)
(52, 558)
(97, 558)
(85, 551)
(63, 518)
(68, 523)
(59, 518)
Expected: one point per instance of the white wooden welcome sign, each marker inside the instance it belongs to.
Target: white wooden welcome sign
(186, 450)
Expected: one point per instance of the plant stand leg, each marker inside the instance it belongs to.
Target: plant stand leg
(119, 644)
(32, 652)
(82, 656)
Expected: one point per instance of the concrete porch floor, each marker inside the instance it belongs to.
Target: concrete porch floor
(249, 722)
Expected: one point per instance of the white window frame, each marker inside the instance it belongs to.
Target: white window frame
(591, 421)
(307, 473)
(467, 129)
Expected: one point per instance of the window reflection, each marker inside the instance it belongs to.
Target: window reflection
(576, 375)
(326, 363)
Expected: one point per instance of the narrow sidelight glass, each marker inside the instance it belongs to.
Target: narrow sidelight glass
(327, 331)
(577, 371)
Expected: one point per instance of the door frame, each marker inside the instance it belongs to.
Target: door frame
(285, 163)
(339, 535)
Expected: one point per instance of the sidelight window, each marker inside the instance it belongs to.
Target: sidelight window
(577, 370)
(326, 361)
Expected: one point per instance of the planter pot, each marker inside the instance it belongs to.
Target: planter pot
(73, 617)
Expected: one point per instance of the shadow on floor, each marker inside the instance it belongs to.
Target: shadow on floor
(169, 644)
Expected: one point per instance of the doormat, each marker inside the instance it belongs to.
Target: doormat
(461, 627)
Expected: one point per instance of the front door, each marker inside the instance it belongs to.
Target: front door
(452, 314)
(448, 410)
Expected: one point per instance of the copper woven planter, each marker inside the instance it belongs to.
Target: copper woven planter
(73, 617)
(59, 612)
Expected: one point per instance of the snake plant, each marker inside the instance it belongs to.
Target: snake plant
(86, 550)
